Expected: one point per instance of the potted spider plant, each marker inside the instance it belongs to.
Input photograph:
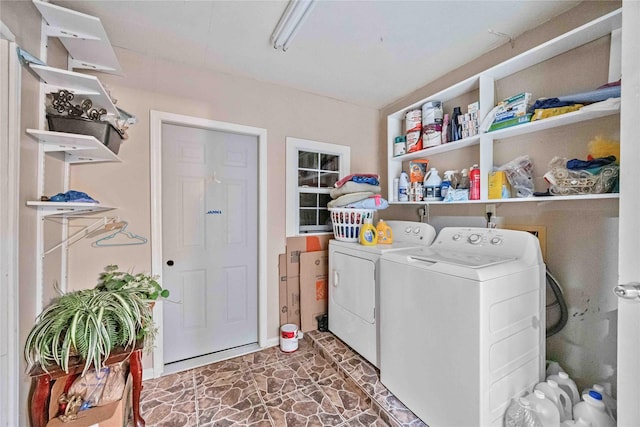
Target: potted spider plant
(87, 325)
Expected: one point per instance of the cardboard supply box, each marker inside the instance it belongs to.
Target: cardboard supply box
(114, 414)
(295, 247)
(314, 291)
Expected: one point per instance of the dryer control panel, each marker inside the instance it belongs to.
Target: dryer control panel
(418, 233)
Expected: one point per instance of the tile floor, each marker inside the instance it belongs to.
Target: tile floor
(323, 383)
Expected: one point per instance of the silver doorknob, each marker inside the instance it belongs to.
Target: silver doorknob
(628, 291)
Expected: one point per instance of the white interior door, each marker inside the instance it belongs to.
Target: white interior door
(629, 243)
(209, 240)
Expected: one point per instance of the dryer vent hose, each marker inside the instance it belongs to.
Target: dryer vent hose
(552, 283)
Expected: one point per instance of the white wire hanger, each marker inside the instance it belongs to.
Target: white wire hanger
(129, 238)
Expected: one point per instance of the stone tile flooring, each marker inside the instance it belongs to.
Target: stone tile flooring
(323, 383)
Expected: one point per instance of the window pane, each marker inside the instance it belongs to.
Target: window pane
(307, 178)
(324, 217)
(323, 199)
(330, 162)
(308, 217)
(328, 179)
(308, 200)
(307, 160)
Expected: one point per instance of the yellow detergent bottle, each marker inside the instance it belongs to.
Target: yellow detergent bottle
(368, 234)
(385, 234)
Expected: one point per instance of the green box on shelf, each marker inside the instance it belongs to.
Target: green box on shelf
(511, 122)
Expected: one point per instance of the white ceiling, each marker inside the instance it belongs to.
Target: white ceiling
(365, 52)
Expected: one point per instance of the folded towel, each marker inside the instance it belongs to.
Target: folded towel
(354, 187)
(373, 202)
(369, 178)
(344, 200)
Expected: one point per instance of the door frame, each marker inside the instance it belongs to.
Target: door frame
(157, 119)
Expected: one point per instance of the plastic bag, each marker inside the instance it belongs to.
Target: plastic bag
(114, 386)
(90, 387)
(520, 175)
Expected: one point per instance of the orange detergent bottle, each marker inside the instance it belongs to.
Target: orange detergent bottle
(385, 234)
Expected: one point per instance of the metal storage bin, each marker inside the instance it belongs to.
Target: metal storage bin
(102, 131)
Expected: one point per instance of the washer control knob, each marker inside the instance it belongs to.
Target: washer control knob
(407, 230)
(457, 237)
(474, 239)
(416, 230)
(496, 241)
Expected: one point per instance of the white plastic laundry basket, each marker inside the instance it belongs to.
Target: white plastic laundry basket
(347, 222)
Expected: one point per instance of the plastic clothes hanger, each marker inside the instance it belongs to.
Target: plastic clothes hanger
(132, 239)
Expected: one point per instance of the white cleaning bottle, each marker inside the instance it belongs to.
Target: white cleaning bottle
(432, 181)
(592, 409)
(567, 384)
(403, 188)
(580, 422)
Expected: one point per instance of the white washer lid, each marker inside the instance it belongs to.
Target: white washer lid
(462, 259)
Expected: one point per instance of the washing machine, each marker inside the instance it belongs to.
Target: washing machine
(462, 325)
(354, 277)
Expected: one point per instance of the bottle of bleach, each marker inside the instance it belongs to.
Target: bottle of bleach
(432, 183)
(403, 187)
(593, 410)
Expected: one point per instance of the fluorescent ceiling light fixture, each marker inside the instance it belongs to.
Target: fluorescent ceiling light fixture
(290, 22)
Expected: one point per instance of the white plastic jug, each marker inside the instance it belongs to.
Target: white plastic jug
(609, 402)
(580, 422)
(567, 384)
(559, 397)
(553, 368)
(432, 183)
(592, 409)
(544, 409)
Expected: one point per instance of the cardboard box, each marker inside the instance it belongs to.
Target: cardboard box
(282, 288)
(295, 247)
(114, 414)
(498, 184)
(314, 291)
(298, 245)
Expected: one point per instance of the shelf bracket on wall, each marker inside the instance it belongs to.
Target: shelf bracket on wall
(105, 222)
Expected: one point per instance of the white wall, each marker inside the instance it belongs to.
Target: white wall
(152, 84)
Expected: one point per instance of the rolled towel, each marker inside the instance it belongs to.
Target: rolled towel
(354, 187)
(346, 199)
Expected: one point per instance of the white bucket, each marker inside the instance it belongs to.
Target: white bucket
(289, 336)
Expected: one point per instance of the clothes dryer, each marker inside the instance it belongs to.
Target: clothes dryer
(462, 325)
(354, 276)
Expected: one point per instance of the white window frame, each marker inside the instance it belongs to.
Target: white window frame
(293, 147)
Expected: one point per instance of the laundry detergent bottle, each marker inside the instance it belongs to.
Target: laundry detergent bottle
(368, 234)
(385, 234)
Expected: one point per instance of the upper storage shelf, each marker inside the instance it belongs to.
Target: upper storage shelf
(77, 148)
(82, 35)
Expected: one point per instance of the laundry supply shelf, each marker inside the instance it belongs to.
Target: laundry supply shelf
(68, 208)
(78, 148)
(516, 199)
